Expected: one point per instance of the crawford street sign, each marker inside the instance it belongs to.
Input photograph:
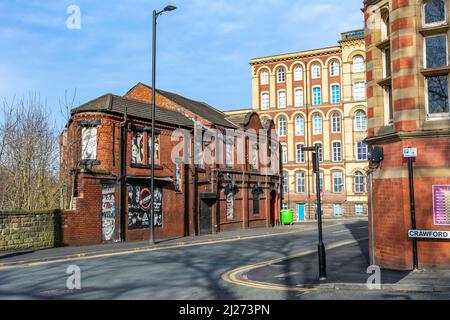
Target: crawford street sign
(428, 234)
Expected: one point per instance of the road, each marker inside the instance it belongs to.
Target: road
(192, 273)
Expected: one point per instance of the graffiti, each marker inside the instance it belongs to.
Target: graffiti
(441, 205)
(138, 218)
(108, 213)
(137, 150)
(230, 206)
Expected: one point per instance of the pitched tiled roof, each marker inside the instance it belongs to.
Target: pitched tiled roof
(201, 109)
(116, 104)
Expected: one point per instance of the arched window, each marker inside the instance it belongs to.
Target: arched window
(317, 124)
(264, 101)
(281, 75)
(359, 182)
(385, 24)
(284, 154)
(299, 126)
(334, 68)
(282, 127)
(316, 71)
(335, 94)
(336, 122)
(434, 12)
(359, 64)
(281, 99)
(337, 152)
(298, 97)
(265, 77)
(285, 182)
(299, 153)
(298, 73)
(360, 121)
(338, 182)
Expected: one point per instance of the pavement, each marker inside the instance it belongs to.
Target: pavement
(198, 269)
(347, 269)
(32, 256)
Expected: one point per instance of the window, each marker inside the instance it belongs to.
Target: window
(282, 127)
(337, 182)
(316, 71)
(89, 143)
(335, 94)
(256, 202)
(359, 182)
(265, 101)
(317, 96)
(281, 75)
(360, 91)
(434, 12)
(284, 206)
(317, 124)
(281, 99)
(438, 96)
(255, 157)
(284, 157)
(265, 77)
(320, 152)
(298, 73)
(336, 122)
(387, 71)
(388, 106)
(137, 148)
(285, 182)
(321, 181)
(337, 210)
(358, 64)
(360, 121)
(436, 54)
(298, 97)
(229, 153)
(337, 152)
(361, 151)
(149, 148)
(300, 154)
(300, 182)
(386, 26)
(334, 68)
(299, 126)
(359, 209)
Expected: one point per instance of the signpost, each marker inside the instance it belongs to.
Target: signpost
(410, 154)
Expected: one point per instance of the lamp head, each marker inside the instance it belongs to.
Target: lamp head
(169, 8)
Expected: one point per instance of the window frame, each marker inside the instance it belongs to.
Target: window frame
(314, 124)
(299, 116)
(335, 62)
(363, 64)
(335, 160)
(341, 189)
(300, 78)
(319, 97)
(262, 100)
(356, 121)
(357, 151)
(285, 133)
(362, 182)
(302, 100)
(425, 49)
(434, 24)
(313, 69)
(302, 152)
(334, 85)
(283, 78)
(436, 116)
(284, 153)
(279, 92)
(298, 185)
(95, 150)
(264, 72)
(333, 118)
(361, 98)
(339, 206)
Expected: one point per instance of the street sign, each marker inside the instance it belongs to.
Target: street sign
(145, 199)
(428, 234)
(410, 152)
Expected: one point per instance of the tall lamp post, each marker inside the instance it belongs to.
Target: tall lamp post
(152, 202)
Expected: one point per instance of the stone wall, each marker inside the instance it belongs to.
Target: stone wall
(26, 230)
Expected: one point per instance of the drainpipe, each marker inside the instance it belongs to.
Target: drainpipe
(122, 133)
(372, 236)
(194, 198)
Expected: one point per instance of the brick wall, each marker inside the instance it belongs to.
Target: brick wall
(23, 230)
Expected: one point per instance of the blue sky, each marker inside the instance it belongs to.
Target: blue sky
(204, 47)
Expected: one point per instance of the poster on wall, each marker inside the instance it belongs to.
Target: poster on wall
(441, 205)
(230, 206)
(137, 150)
(108, 212)
(138, 216)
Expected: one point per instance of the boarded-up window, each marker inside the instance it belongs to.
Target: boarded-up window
(137, 148)
(89, 143)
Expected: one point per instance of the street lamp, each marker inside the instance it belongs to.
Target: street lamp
(152, 203)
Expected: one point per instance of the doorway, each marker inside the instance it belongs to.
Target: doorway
(273, 208)
(205, 216)
(301, 211)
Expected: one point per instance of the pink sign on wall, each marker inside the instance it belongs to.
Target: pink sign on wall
(441, 205)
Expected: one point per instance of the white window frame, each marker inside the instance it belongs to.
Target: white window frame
(284, 153)
(265, 75)
(265, 93)
(434, 24)
(435, 116)
(314, 96)
(340, 209)
(281, 134)
(356, 184)
(302, 133)
(425, 48)
(357, 151)
(359, 205)
(279, 73)
(360, 129)
(298, 75)
(387, 101)
(361, 97)
(334, 62)
(298, 101)
(314, 124)
(297, 176)
(314, 74)
(331, 92)
(285, 182)
(297, 160)
(363, 64)
(333, 122)
(279, 104)
(341, 190)
(340, 151)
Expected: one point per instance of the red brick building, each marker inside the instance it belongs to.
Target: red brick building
(408, 106)
(105, 160)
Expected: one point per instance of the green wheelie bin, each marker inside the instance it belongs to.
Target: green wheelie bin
(287, 217)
